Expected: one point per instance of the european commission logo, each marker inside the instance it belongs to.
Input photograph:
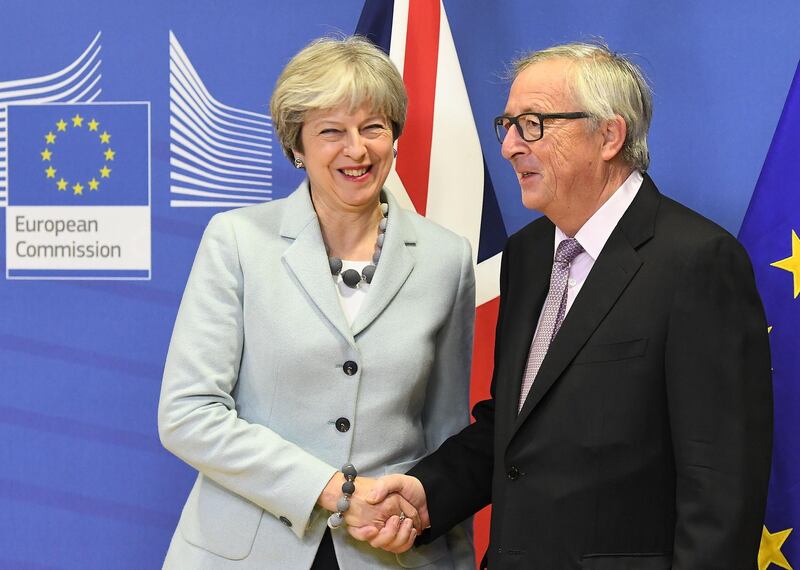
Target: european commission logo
(77, 189)
(70, 143)
(220, 156)
(78, 154)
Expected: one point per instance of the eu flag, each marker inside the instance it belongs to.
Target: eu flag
(78, 154)
(770, 233)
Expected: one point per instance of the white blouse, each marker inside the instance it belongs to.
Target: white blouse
(351, 299)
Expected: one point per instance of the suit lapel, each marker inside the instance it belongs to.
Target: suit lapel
(612, 271)
(306, 260)
(394, 267)
(527, 291)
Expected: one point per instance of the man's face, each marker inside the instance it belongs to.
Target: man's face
(562, 169)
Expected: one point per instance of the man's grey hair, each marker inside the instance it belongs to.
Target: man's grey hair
(605, 84)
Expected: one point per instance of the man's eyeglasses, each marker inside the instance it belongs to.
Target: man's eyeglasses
(530, 126)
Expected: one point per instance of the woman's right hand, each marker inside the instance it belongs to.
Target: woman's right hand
(363, 514)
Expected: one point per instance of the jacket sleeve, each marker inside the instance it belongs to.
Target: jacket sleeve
(197, 417)
(719, 396)
(458, 477)
(447, 400)
(447, 397)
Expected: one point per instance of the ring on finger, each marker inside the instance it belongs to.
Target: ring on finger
(402, 516)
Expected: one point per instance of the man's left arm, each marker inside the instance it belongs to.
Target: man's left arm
(719, 394)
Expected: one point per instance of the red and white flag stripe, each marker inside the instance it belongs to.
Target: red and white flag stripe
(439, 171)
(439, 167)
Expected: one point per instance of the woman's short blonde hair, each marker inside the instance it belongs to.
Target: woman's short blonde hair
(330, 72)
(605, 84)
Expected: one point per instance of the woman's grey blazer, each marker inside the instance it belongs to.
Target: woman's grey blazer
(256, 395)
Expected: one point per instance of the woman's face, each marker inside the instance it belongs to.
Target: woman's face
(347, 156)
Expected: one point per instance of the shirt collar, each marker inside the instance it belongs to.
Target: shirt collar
(594, 234)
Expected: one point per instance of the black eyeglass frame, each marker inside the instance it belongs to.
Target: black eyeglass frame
(498, 122)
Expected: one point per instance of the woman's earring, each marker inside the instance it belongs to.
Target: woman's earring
(394, 151)
(298, 162)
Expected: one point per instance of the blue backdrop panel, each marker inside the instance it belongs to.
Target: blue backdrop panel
(84, 482)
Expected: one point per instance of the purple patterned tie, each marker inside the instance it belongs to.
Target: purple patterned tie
(553, 311)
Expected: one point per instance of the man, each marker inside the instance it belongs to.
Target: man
(630, 420)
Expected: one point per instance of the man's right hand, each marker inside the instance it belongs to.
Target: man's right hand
(395, 537)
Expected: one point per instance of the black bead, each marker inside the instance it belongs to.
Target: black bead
(368, 272)
(348, 488)
(349, 471)
(351, 278)
(335, 264)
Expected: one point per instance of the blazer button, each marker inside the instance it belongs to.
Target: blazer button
(514, 473)
(343, 424)
(285, 521)
(350, 367)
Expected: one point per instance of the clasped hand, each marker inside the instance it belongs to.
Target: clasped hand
(388, 512)
(383, 497)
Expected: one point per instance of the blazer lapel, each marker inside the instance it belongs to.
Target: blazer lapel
(306, 260)
(610, 275)
(394, 267)
(526, 296)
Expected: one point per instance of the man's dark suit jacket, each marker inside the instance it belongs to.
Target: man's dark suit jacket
(645, 441)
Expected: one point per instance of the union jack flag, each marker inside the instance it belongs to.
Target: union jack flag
(440, 168)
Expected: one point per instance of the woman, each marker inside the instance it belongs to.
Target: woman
(287, 363)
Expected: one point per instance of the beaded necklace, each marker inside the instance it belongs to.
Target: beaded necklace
(351, 277)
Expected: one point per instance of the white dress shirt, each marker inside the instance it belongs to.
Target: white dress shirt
(594, 234)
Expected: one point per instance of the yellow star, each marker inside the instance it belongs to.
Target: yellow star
(93, 125)
(46, 154)
(770, 550)
(61, 126)
(50, 138)
(94, 184)
(78, 189)
(109, 154)
(51, 172)
(792, 263)
(105, 138)
(769, 330)
(77, 121)
(62, 185)
(105, 172)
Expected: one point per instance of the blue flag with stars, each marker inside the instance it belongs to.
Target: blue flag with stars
(80, 154)
(770, 233)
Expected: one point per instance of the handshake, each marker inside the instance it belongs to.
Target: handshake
(388, 512)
